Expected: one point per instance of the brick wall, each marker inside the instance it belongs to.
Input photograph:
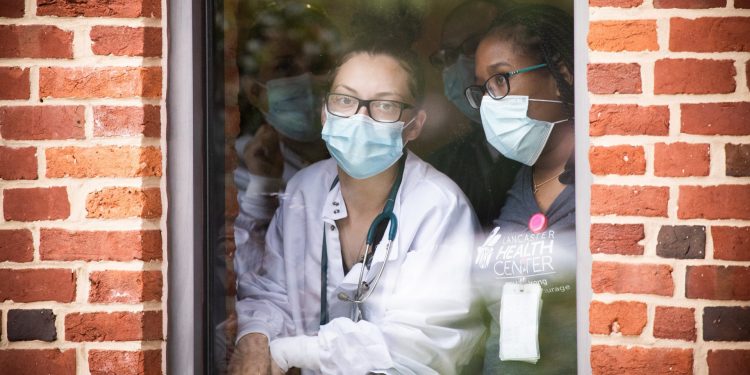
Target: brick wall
(670, 201)
(82, 196)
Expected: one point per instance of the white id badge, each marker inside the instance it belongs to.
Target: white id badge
(520, 308)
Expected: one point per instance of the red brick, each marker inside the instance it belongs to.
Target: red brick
(122, 246)
(615, 3)
(676, 323)
(728, 362)
(33, 204)
(709, 34)
(747, 69)
(628, 119)
(627, 318)
(16, 245)
(714, 202)
(610, 277)
(32, 285)
(35, 41)
(42, 122)
(737, 158)
(104, 161)
(718, 282)
(111, 82)
(127, 121)
(731, 243)
(617, 239)
(125, 286)
(690, 4)
(18, 163)
(688, 76)
(612, 360)
(95, 8)
(12, 8)
(620, 160)
(117, 326)
(126, 41)
(629, 200)
(35, 362)
(681, 159)
(716, 118)
(15, 83)
(616, 36)
(108, 362)
(742, 4)
(614, 78)
(121, 202)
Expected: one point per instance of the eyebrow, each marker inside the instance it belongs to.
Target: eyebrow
(380, 95)
(496, 66)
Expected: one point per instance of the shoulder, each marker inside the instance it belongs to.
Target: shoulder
(422, 182)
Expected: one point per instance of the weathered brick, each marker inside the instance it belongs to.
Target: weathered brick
(28, 325)
(681, 159)
(107, 362)
(112, 121)
(122, 202)
(35, 362)
(687, 76)
(123, 246)
(676, 323)
(42, 122)
(728, 362)
(709, 34)
(629, 200)
(742, 4)
(95, 8)
(611, 360)
(615, 3)
(32, 285)
(737, 160)
(628, 119)
(116, 326)
(617, 239)
(681, 242)
(731, 243)
(616, 36)
(718, 282)
(614, 78)
(726, 323)
(125, 286)
(18, 163)
(620, 160)
(714, 202)
(35, 41)
(610, 277)
(690, 4)
(15, 83)
(12, 8)
(126, 41)
(716, 118)
(625, 317)
(103, 161)
(33, 204)
(109, 82)
(16, 245)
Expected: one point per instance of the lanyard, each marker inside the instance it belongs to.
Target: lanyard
(375, 231)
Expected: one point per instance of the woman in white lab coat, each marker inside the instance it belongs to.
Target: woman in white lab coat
(419, 318)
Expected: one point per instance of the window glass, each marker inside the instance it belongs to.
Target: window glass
(390, 187)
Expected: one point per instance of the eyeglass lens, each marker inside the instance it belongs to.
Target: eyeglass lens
(379, 110)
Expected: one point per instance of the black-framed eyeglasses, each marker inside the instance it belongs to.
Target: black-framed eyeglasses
(343, 105)
(447, 56)
(497, 86)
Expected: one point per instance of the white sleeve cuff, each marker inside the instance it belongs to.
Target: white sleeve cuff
(299, 351)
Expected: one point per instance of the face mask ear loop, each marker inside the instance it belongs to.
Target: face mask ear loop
(408, 124)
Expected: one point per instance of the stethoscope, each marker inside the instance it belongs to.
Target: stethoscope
(364, 288)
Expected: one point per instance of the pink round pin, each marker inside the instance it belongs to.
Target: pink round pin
(537, 223)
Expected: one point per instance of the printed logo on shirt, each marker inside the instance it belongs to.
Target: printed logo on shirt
(518, 255)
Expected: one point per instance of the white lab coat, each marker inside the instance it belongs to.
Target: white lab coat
(421, 317)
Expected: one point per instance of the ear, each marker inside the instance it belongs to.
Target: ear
(413, 131)
(566, 74)
(253, 92)
(323, 115)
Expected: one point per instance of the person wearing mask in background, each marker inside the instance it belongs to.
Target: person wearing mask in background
(524, 93)
(308, 306)
(480, 171)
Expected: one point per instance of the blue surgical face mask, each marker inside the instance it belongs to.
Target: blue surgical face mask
(362, 146)
(291, 107)
(456, 78)
(509, 129)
